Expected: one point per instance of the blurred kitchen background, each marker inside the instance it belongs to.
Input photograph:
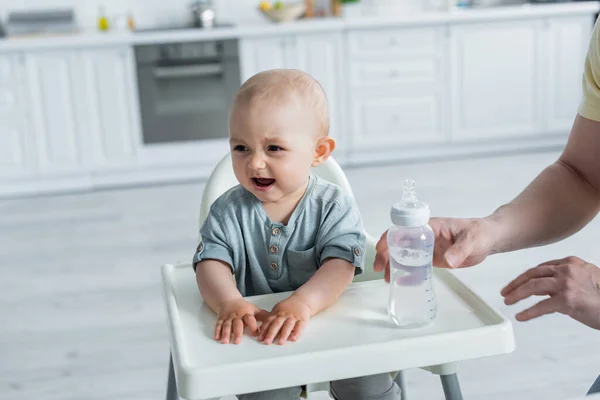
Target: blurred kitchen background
(114, 112)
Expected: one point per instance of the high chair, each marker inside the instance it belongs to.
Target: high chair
(222, 179)
(467, 327)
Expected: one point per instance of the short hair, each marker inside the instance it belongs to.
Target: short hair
(280, 85)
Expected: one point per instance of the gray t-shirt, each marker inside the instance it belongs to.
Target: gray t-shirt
(269, 257)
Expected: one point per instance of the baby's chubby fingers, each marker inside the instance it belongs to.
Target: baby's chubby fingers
(251, 323)
(274, 330)
(264, 328)
(226, 331)
(286, 330)
(218, 328)
(238, 330)
(298, 329)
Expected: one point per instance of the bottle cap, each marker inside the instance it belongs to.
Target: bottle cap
(409, 211)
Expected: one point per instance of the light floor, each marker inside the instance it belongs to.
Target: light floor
(81, 313)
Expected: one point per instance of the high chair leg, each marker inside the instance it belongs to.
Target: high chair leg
(449, 375)
(451, 387)
(171, 386)
(400, 380)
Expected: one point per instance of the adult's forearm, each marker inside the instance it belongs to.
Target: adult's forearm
(559, 202)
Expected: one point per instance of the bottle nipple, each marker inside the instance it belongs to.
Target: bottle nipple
(409, 195)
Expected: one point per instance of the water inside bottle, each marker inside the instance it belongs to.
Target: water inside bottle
(412, 301)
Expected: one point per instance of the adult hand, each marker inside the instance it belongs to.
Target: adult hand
(572, 284)
(458, 243)
(233, 315)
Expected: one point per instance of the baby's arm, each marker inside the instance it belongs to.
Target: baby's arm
(326, 285)
(218, 290)
(341, 245)
(289, 317)
(213, 263)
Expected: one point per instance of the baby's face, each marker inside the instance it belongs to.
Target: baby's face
(273, 148)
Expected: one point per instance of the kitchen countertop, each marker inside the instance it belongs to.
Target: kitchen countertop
(98, 39)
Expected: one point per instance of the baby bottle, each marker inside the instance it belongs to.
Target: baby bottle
(412, 302)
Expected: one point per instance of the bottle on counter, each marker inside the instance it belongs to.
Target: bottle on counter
(130, 22)
(103, 24)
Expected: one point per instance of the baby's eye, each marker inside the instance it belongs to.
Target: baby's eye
(240, 148)
(274, 148)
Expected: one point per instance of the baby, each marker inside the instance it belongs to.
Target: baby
(282, 228)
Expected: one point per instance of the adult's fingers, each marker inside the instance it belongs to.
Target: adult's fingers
(547, 306)
(382, 242)
(382, 258)
(542, 270)
(535, 286)
(455, 255)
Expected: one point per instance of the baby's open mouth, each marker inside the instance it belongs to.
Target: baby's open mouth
(263, 182)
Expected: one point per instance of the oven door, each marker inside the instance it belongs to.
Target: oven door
(187, 98)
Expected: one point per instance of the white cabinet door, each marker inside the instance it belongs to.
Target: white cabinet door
(54, 120)
(320, 56)
(112, 125)
(495, 84)
(566, 43)
(260, 54)
(16, 152)
(15, 158)
(397, 88)
(386, 120)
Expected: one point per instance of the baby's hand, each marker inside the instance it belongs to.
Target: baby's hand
(287, 320)
(233, 315)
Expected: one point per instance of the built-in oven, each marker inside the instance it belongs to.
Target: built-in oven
(186, 89)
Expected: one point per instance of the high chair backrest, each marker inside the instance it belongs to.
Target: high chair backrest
(222, 179)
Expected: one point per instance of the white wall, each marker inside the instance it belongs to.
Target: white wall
(145, 12)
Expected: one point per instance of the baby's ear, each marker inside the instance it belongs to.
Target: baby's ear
(324, 148)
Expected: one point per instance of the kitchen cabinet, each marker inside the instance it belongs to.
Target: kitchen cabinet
(397, 87)
(397, 90)
(16, 156)
(496, 80)
(565, 42)
(54, 122)
(65, 115)
(111, 112)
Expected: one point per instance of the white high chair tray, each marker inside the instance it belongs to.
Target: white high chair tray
(354, 337)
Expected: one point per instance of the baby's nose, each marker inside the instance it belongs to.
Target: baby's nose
(257, 162)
